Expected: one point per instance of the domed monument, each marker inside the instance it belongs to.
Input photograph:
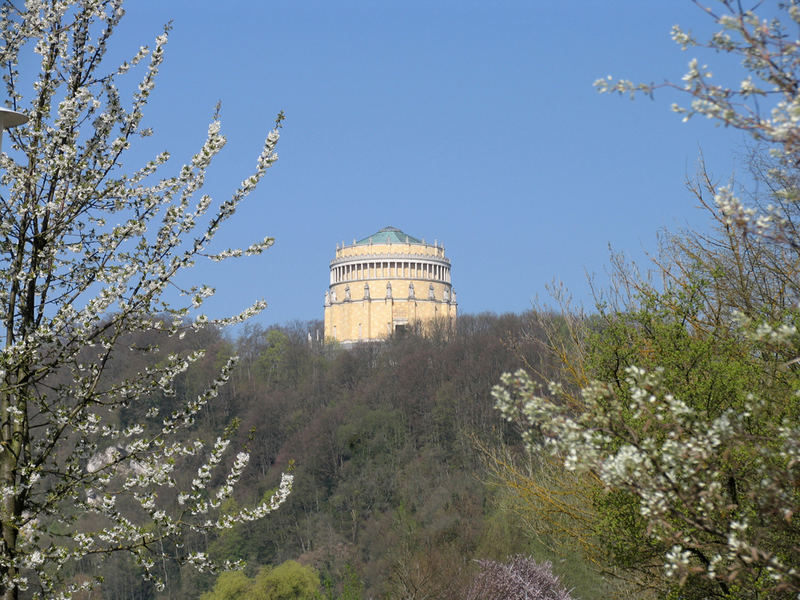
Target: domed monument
(385, 283)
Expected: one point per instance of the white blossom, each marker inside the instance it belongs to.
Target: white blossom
(110, 246)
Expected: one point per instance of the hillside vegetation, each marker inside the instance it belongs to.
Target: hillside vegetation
(389, 444)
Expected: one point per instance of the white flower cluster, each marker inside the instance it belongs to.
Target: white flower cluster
(671, 458)
(90, 253)
(682, 462)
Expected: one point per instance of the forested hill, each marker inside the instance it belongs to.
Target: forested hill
(391, 496)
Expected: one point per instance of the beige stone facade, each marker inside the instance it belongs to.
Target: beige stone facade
(385, 283)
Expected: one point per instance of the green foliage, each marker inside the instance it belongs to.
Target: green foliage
(230, 585)
(554, 515)
(271, 361)
(288, 581)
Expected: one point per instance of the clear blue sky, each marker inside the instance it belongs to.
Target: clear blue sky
(473, 123)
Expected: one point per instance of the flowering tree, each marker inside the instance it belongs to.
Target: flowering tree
(688, 410)
(521, 578)
(87, 252)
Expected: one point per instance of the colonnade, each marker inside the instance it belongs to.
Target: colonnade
(391, 269)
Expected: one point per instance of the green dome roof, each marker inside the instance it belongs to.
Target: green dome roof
(388, 235)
